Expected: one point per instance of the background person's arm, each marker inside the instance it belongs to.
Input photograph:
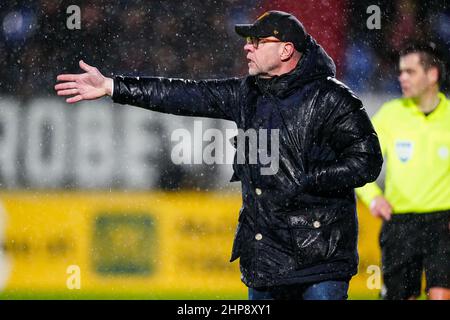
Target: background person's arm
(371, 194)
(381, 208)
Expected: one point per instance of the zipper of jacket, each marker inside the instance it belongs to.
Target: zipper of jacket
(290, 230)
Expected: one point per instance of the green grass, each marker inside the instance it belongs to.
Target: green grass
(80, 295)
(73, 295)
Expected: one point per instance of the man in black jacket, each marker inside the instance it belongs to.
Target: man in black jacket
(297, 231)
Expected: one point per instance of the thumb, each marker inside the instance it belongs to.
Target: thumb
(386, 214)
(85, 66)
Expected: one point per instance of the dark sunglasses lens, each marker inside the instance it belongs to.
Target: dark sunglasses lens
(254, 41)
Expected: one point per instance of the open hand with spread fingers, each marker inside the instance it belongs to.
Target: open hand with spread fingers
(85, 86)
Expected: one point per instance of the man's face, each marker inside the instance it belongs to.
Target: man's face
(265, 58)
(414, 79)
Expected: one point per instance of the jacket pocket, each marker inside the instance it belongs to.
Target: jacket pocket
(316, 235)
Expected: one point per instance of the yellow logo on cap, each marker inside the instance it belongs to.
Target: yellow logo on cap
(275, 32)
(263, 15)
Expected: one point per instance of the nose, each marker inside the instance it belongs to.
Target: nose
(402, 77)
(249, 47)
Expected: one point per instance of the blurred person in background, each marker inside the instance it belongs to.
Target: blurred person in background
(297, 231)
(414, 134)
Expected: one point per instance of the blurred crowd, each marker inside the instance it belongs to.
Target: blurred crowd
(196, 39)
(371, 56)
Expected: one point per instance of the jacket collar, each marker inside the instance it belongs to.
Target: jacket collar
(437, 113)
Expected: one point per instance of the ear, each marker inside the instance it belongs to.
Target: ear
(433, 74)
(287, 51)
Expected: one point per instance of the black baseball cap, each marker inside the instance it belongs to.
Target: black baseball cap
(281, 25)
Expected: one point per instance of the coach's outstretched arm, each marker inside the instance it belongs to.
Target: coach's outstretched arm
(203, 98)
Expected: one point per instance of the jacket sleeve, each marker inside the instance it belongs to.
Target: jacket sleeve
(353, 139)
(204, 98)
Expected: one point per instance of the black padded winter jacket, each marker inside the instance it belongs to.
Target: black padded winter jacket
(298, 225)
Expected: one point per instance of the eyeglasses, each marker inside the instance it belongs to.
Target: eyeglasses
(255, 42)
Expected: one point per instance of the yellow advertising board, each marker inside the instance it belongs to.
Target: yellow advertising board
(117, 243)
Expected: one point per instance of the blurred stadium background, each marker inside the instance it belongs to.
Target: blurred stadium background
(91, 188)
